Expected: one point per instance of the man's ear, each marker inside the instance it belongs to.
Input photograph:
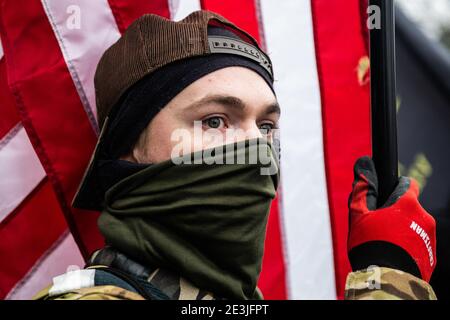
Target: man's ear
(139, 155)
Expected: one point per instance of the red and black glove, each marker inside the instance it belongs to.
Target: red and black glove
(399, 235)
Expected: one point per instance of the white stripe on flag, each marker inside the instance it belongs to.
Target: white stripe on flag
(179, 9)
(63, 256)
(84, 31)
(20, 169)
(290, 44)
(1, 50)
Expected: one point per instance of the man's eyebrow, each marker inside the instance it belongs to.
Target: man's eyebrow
(230, 101)
(226, 100)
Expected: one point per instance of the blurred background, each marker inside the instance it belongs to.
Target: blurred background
(423, 83)
(431, 17)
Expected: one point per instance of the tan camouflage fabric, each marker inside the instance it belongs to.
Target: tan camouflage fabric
(93, 293)
(175, 287)
(378, 283)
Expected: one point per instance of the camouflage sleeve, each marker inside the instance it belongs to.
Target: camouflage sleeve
(378, 283)
(92, 293)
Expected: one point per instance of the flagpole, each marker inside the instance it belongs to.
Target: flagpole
(383, 99)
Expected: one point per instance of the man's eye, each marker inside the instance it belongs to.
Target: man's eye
(214, 122)
(266, 128)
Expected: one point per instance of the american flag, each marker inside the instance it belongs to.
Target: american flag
(48, 131)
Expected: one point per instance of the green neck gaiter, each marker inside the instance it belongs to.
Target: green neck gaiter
(207, 222)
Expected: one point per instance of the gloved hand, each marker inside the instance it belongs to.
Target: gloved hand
(399, 235)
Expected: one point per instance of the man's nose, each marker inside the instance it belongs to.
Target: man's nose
(246, 132)
(254, 132)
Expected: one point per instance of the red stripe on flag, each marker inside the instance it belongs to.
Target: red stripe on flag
(126, 11)
(272, 280)
(27, 233)
(345, 111)
(9, 115)
(50, 109)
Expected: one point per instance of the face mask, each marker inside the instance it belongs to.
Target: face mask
(206, 222)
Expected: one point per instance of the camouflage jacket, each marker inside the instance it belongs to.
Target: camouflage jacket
(378, 283)
(91, 284)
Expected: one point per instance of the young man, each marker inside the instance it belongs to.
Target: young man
(186, 167)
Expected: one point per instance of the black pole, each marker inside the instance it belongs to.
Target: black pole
(383, 98)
